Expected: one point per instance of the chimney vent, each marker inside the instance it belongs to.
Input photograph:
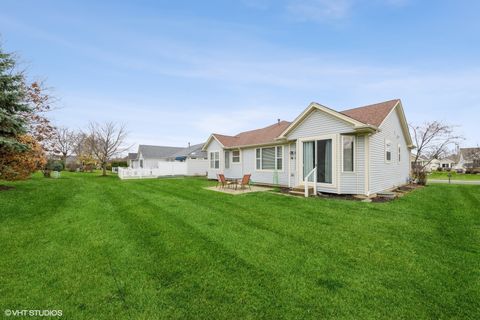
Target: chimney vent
(189, 144)
(278, 120)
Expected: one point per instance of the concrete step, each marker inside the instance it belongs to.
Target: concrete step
(302, 188)
(297, 193)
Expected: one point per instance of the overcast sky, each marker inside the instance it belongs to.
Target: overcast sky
(175, 71)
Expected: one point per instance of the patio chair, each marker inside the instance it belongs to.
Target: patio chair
(221, 181)
(245, 182)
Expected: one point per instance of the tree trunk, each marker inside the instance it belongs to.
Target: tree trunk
(104, 169)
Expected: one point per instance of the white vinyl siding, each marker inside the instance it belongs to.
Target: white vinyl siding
(214, 146)
(317, 124)
(270, 177)
(386, 175)
(354, 182)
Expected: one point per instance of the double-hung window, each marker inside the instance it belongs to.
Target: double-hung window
(388, 151)
(270, 158)
(399, 153)
(348, 143)
(227, 159)
(215, 160)
(236, 156)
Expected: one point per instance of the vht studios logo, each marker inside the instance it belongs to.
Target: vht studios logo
(33, 313)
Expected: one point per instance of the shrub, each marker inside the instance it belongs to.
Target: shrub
(73, 167)
(422, 178)
(439, 169)
(52, 165)
(472, 171)
(123, 164)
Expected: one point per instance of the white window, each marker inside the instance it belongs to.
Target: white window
(399, 153)
(269, 158)
(227, 159)
(141, 163)
(348, 149)
(215, 160)
(236, 156)
(388, 151)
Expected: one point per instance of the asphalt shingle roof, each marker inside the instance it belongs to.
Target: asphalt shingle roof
(373, 114)
(157, 152)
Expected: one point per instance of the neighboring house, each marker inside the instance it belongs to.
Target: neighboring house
(148, 157)
(468, 158)
(445, 164)
(358, 151)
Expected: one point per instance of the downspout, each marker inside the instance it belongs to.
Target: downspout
(367, 164)
(289, 159)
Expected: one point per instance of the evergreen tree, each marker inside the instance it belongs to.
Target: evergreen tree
(12, 106)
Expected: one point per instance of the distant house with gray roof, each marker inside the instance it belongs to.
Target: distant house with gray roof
(148, 156)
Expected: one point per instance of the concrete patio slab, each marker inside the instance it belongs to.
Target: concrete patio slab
(238, 191)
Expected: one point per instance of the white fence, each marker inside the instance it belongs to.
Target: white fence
(190, 167)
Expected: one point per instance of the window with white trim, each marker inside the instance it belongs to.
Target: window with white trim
(236, 156)
(399, 153)
(215, 160)
(348, 149)
(227, 159)
(270, 158)
(388, 151)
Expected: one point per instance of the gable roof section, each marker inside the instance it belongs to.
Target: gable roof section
(192, 151)
(260, 136)
(157, 152)
(357, 125)
(132, 156)
(373, 114)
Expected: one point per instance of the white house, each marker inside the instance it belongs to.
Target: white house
(357, 151)
(468, 158)
(149, 157)
(160, 161)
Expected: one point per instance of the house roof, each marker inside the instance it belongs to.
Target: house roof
(469, 154)
(373, 114)
(132, 156)
(157, 152)
(192, 151)
(253, 137)
(366, 118)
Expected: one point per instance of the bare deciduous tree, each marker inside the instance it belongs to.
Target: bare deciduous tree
(433, 140)
(38, 125)
(64, 142)
(106, 141)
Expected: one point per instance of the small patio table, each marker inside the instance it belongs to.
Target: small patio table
(233, 181)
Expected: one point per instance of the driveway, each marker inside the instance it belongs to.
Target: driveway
(455, 181)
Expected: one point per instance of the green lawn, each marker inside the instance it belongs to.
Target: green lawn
(455, 176)
(101, 248)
